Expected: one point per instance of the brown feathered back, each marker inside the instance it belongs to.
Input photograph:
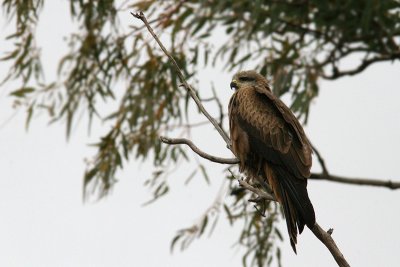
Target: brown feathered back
(271, 145)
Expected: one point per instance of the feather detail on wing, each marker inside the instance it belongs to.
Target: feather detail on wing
(286, 113)
(258, 114)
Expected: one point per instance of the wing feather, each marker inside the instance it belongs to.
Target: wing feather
(287, 115)
(273, 129)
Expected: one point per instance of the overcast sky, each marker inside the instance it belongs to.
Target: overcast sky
(355, 122)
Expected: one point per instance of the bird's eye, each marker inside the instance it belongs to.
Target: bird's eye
(246, 79)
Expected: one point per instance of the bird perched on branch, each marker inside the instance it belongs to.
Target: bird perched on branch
(271, 145)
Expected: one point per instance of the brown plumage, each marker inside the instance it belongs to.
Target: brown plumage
(272, 146)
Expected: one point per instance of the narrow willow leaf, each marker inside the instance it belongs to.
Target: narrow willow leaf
(22, 91)
(203, 225)
(29, 115)
(173, 242)
(204, 172)
(228, 212)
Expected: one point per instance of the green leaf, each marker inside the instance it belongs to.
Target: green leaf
(89, 175)
(10, 55)
(201, 22)
(29, 116)
(22, 92)
(176, 238)
(203, 225)
(228, 212)
(190, 177)
(204, 172)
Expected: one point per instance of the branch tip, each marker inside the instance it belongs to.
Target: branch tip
(138, 15)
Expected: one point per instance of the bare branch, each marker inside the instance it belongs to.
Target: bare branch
(175, 141)
(219, 104)
(325, 175)
(324, 237)
(355, 181)
(320, 160)
(364, 64)
(190, 90)
(327, 240)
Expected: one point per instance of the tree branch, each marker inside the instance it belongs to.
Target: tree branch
(189, 89)
(320, 160)
(364, 64)
(327, 240)
(355, 181)
(325, 175)
(175, 141)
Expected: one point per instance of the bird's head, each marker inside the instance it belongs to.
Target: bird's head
(248, 77)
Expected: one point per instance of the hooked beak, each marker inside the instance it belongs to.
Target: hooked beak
(234, 85)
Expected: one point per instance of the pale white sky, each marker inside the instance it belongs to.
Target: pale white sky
(355, 123)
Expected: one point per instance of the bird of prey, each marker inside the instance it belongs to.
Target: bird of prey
(272, 147)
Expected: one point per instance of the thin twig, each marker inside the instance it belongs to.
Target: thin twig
(355, 181)
(255, 190)
(364, 64)
(175, 141)
(320, 160)
(190, 90)
(326, 176)
(219, 104)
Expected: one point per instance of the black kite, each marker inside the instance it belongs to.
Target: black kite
(271, 145)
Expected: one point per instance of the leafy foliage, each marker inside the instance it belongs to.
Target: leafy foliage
(296, 43)
(25, 56)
